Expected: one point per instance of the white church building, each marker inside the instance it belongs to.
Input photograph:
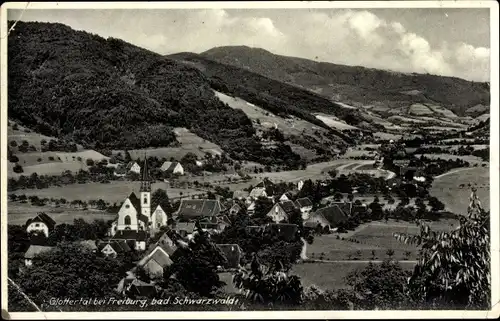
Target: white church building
(135, 214)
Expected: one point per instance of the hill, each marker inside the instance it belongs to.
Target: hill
(109, 94)
(274, 96)
(361, 85)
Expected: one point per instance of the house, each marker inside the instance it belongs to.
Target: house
(184, 228)
(134, 168)
(41, 223)
(33, 251)
(195, 209)
(199, 163)
(232, 253)
(286, 231)
(281, 211)
(286, 197)
(258, 192)
(135, 239)
(235, 209)
(166, 244)
(172, 168)
(346, 207)
(155, 261)
(114, 247)
(158, 219)
(327, 218)
(251, 208)
(305, 206)
(269, 187)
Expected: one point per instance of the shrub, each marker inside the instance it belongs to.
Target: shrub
(13, 143)
(18, 169)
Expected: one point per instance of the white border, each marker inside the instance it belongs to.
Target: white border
(494, 168)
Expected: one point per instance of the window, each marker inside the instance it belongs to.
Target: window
(37, 224)
(145, 200)
(127, 220)
(158, 224)
(127, 206)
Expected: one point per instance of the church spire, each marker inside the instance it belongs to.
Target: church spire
(145, 180)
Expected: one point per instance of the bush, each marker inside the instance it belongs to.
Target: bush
(18, 169)
(13, 143)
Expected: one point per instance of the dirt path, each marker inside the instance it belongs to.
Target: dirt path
(454, 171)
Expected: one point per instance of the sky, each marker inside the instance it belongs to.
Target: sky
(441, 41)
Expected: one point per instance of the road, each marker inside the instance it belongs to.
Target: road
(454, 171)
(360, 261)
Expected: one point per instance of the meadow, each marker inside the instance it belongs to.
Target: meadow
(114, 192)
(447, 188)
(19, 213)
(328, 276)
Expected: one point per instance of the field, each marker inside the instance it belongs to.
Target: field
(114, 192)
(387, 136)
(329, 276)
(19, 213)
(447, 189)
(334, 123)
(419, 109)
(53, 163)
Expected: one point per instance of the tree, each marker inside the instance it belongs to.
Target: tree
(160, 197)
(453, 270)
(195, 266)
(18, 169)
(436, 204)
(379, 286)
(70, 271)
(389, 253)
(90, 162)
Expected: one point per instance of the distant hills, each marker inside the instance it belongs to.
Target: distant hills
(109, 94)
(358, 84)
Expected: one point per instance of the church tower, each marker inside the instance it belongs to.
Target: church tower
(145, 190)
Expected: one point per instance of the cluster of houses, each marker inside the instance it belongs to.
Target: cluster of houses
(138, 221)
(168, 167)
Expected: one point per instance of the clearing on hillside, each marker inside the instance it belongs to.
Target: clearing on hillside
(447, 188)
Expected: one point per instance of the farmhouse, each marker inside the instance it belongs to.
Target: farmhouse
(134, 168)
(281, 211)
(345, 207)
(326, 218)
(33, 251)
(258, 192)
(41, 223)
(232, 252)
(305, 206)
(114, 247)
(155, 261)
(166, 244)
(195, 209)
(172, 168)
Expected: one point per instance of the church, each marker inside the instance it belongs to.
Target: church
(135, 214)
